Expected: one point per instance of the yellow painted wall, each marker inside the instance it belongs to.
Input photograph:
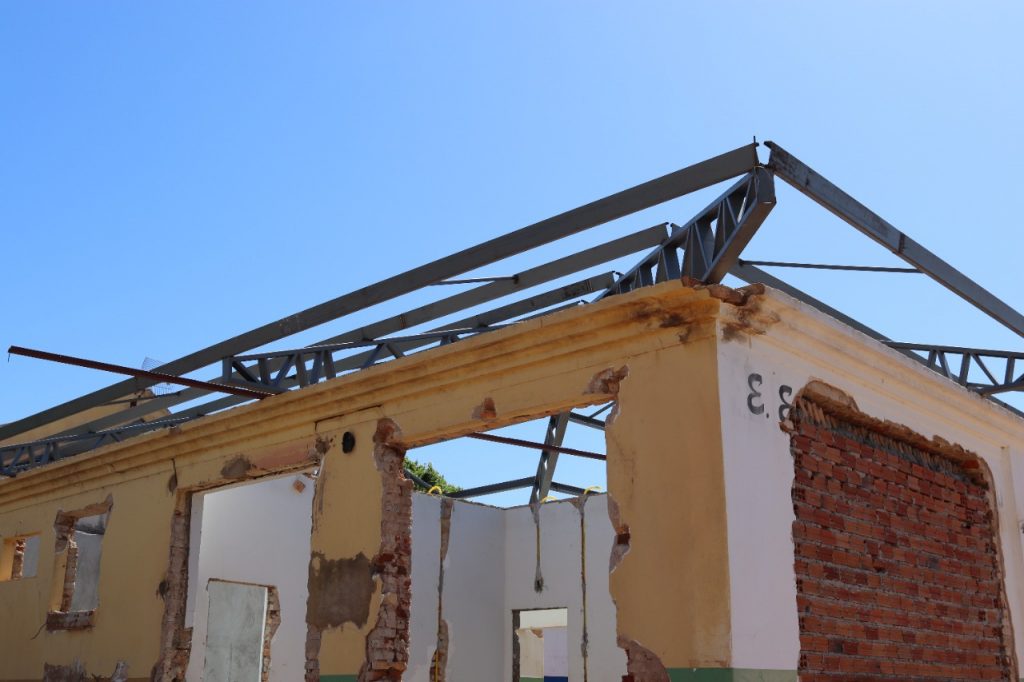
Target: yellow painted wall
(664, 468)
(133, 562)
(665, 473)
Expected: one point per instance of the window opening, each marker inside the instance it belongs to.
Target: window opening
(19, 558)
(77, 572)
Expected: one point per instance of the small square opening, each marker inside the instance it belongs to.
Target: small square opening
(19, 558)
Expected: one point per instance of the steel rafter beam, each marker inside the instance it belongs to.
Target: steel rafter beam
(513, 485)
(710, 244)
(542, 274)
(863, 219)
(505, 440)
(142, 374)
(554, 436)
(752, 275)
(492, 488)
(304, 366)
(986, 371)
(640, 197)
(19, 457)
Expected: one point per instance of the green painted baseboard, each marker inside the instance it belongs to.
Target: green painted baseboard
(674, 674)
(730, 675)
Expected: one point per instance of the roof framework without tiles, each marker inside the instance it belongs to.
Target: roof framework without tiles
(704, 249)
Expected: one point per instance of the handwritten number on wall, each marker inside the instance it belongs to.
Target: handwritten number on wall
(755, 402)
(784, 394)
(753, 399)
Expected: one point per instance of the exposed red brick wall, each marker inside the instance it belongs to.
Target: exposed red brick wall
(387, 644)
(898, 572)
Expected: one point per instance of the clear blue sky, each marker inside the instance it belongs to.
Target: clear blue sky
(173, 174)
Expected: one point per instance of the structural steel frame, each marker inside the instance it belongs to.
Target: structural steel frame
(706, 248)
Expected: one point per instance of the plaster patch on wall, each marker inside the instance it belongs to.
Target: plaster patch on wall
(339, 591)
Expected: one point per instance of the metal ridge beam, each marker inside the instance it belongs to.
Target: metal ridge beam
(648, 194)
(492, 488)
(863, 219)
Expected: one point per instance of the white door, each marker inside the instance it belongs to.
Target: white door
(234, 632)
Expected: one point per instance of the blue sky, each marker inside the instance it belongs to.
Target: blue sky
(175, 174)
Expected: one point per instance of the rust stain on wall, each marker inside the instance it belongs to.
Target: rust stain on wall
(339, 591)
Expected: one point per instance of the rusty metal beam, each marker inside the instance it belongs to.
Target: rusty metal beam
(150, 378)
(504, 440)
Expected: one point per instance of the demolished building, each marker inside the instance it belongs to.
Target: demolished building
(790, 494)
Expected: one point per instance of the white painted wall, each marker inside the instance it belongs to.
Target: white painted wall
(426, 562)
(806, 345)
(489, 572)
(254, 533)
(561, 567)
(474, 594)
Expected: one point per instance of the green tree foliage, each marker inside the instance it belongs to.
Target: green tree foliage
(430, 476)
